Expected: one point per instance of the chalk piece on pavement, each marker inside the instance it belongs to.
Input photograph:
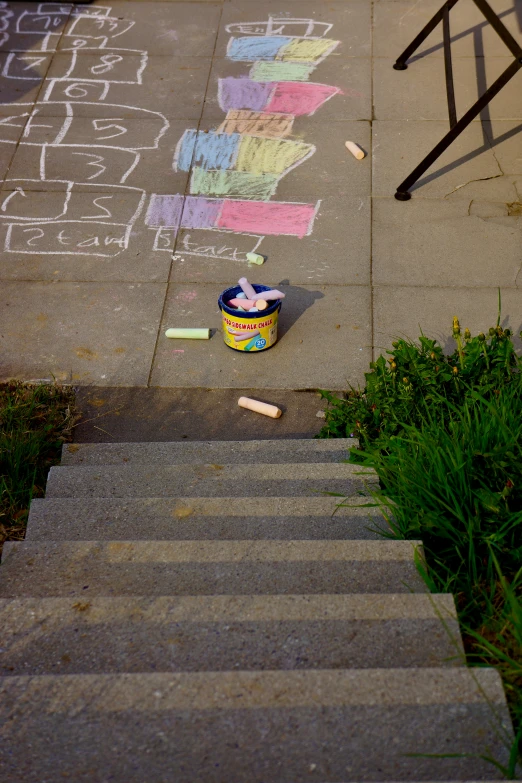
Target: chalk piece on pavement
(354, 148)
(255, 258)
(259, 407)
(188, 334)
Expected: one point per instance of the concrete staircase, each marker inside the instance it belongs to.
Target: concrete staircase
(186, 612)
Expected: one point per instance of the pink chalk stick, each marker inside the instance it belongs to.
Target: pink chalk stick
(269, 296)
(267, 217)
(238, 338)
(246, 304)
(246, 288)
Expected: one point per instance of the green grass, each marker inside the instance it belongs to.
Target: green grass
(35, 420)
(444, 434)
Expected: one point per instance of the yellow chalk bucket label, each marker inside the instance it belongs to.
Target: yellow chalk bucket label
(250, 334)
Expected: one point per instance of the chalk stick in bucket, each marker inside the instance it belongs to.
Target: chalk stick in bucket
(268, 295)
(259, 407)
(188, 334)
(247, 288)
(247, 304)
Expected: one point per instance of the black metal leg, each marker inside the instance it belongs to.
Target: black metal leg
(499, 28)
(450, 90)
(400, 64)
(403, 193)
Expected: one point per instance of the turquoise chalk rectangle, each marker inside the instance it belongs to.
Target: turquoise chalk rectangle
(185, 150)
(253, 47)
(216, 151)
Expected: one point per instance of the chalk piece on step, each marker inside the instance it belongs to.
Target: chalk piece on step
(321, 415)
(188, 334)
(247, 288)
(255, 258)
(259, 407)
(354, 148)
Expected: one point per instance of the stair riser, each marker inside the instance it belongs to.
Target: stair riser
(318, 517)
(105, 487)
(87, 648)
(245, 745)
(188, 453)
(153, 527)
(82, 579)
(207, 480)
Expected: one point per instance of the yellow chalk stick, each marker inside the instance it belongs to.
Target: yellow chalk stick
(188, 334)
(255, 258)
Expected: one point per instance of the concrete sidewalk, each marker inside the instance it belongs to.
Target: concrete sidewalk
(94, 267)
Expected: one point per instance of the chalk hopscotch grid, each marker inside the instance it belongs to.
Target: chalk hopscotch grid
(234, 171)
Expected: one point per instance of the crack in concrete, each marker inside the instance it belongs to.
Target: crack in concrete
(480, 179)
(518, 275)
(496, 159)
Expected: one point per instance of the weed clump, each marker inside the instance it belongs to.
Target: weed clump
(444, 434)
(35, 419)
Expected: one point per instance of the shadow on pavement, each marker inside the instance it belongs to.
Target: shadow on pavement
(298, 301)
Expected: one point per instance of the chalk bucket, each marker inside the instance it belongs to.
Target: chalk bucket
(250, 332)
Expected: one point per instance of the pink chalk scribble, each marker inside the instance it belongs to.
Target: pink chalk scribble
(299, 98)
(265, 217)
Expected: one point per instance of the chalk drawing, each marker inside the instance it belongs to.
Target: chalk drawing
(86, 209)
(86, 146)
(236, 168)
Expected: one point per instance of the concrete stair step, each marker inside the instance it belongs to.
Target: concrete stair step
(85, 568)
(202, 518)
(279, 726)
(198, 452)
(212, 480)
(214, 633)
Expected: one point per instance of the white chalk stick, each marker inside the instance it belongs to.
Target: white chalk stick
(247, 288)
(354, 148)
(259, 407)
(267, 295)
(188, 334)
